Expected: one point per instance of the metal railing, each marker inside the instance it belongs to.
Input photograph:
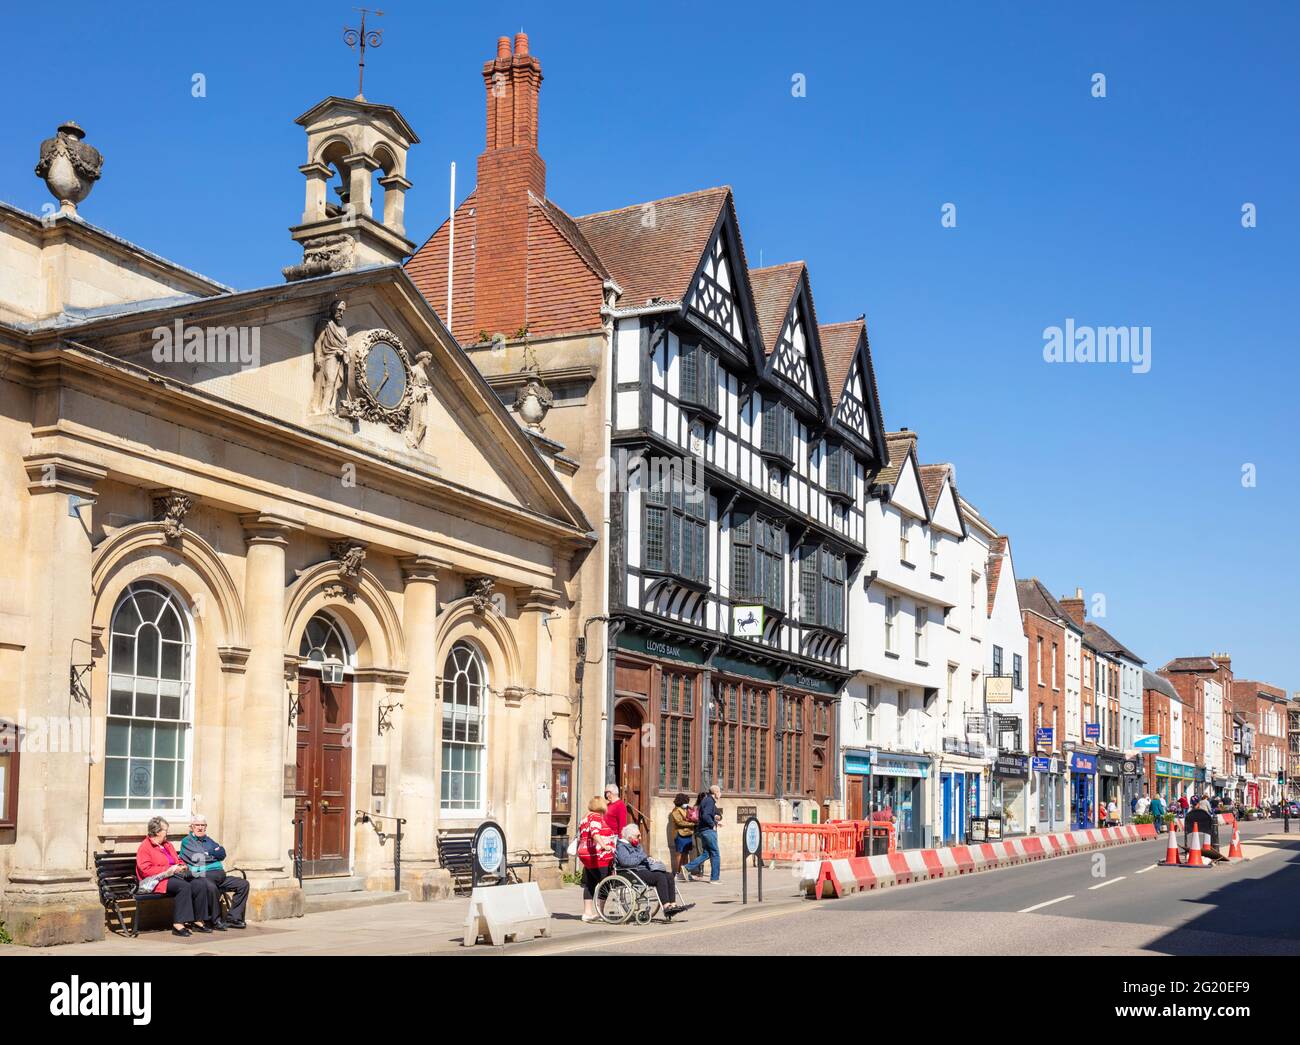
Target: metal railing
(364, 818)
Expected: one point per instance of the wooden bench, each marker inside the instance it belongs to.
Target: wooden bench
(456, 855)
(118, 885)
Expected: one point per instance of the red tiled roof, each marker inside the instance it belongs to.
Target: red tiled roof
(564, 292)
(774, 289)
(932, 479)
(653, 249)
(839, 340)
(1200, 664)
(898, 444)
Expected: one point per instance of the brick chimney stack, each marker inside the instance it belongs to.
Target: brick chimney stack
(508, 170)
(1074, 607)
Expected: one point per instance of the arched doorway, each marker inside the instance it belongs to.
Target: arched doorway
(629, 723)
(323, 750)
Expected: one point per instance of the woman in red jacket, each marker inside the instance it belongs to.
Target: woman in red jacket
(596, 851)
(196, 898)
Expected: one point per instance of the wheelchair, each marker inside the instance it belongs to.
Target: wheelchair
(622, 897)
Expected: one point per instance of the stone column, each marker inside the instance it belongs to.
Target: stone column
(318, 179)
(417, 787)
(50, 897)
(263, 830)
(538, 635)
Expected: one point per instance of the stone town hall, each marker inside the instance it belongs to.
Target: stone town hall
(360, 545)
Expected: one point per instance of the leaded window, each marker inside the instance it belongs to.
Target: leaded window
(841, 470)
(778, 430)
(740, 733)
(699, 377)
(676, 728)
(676, 526)
(464, 729)
(758, 547)
(149, 703)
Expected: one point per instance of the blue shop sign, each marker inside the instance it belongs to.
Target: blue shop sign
(882, 763)
(1083, 763)
(1092, 731)
(1043, 736)
(1041, 764)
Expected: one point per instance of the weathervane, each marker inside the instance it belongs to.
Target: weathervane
(359, 39)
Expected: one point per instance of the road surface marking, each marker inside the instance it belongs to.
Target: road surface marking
(1045, 903)
(1103, 885)
(1146, 869)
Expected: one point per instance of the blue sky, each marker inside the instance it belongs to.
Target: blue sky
(1123, 210)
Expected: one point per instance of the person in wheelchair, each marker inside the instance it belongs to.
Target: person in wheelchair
(630, 858)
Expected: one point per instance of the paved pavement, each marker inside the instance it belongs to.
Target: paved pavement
(1116, 901)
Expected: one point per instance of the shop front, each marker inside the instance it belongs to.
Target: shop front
(1048, 778)
(1008, 795)
(1173, 779)
(1134, 783)
(893, 783)
(1083, 791)
(1110, 784)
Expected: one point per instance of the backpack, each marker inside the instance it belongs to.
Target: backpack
(692, 814)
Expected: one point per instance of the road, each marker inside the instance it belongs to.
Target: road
(1115, 901)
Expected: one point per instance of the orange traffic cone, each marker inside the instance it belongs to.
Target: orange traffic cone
(1234, 850)
(1194, 847)
(1171, 854)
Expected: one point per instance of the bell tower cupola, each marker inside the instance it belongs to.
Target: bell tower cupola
(352, 145)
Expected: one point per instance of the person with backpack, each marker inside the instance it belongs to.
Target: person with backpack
(707, 830)
(684, 817)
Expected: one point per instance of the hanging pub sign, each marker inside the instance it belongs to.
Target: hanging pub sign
(997, 689)
(747, 622)
(489, 852)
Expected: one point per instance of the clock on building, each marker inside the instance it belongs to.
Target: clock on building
(381, 379)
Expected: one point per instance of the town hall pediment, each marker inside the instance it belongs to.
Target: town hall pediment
(369, 375)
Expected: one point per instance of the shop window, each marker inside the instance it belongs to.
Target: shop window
(792, 730)
(740, 738)
(146, 745)
(677, 700)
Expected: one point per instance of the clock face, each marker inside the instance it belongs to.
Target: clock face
(385, 374)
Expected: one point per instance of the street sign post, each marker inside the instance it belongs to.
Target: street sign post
(489, 853)
(751, 845)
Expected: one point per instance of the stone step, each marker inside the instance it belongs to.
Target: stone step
(347, 901)
(335, 884)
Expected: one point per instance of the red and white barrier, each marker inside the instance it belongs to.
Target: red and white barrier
(841, 877)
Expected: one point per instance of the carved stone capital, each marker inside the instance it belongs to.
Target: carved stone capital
(540, 600)
(170, 507)
(418, 568)
(350, 555)
(481, 590)
(234, 659)
(513, 696)
(267, 528)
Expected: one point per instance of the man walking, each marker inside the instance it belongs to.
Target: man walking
(707, 832)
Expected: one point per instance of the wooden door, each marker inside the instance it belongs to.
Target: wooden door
(854, 796)
(323, 797)
(823, 788)
(628, 720)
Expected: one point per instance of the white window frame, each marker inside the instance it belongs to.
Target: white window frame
(891, 619)
(921, 619)
(185, 740)
(481, 747)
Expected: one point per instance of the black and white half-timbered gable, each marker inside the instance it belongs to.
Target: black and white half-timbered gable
(737, 493)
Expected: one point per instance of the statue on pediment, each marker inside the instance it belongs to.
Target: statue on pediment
(420, 395)
(329, 360)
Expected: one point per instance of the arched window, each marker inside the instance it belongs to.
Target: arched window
(464, 708)
(324, 640)
(146, 763)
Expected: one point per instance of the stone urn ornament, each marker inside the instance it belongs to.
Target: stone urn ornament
(532, 403)
(69, 166)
